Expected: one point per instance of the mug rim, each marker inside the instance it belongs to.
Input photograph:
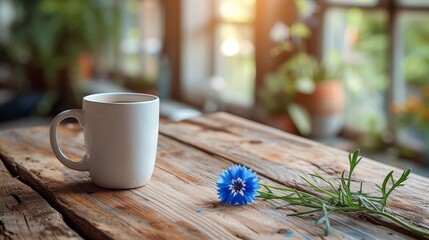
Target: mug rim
(94, 98)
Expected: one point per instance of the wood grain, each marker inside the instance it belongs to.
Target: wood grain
(180, 201)
(283, 157)
(24, 214)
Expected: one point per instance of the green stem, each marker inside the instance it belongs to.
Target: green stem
(402, 223)
(292, 190)
(277, 188)
(309, 197)
(319, 188)
(291, 200)
(397, 220)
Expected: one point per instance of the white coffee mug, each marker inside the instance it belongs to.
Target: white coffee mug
(121, 136)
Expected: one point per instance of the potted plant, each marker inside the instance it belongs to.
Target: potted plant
(303, 88)
(322, 97)
(277, 98)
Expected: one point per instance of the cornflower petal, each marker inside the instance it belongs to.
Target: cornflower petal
(237, 185)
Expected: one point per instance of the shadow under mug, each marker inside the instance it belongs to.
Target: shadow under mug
(121, 137)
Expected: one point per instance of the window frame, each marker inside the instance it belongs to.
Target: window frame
(172, 49)
(392, 8)
(264, 64)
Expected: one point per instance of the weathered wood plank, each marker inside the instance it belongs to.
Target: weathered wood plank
(24, 214)
(166, 208)
(179, 202)
(283, 157)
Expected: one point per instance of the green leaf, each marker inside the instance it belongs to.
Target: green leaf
(299, 29)
(305, 85)
(300, 118)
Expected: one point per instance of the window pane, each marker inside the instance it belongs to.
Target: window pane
(414, 2)
(235, 63)
(196, 54)
(415, 31)
(236, 10)
(218, 61)
(358, 39)
(141, 38)
(355, 2)
(414, 75)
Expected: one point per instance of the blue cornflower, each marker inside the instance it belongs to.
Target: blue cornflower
(237, 185)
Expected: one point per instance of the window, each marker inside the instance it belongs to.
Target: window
(218, 52)
(141, 35)
(413, 52)
(414, 3)
(385, 44)
(361, 41)
(133, 57)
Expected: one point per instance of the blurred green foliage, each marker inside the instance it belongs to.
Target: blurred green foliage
(416, 50)
(365, 79)
(369, 66)
(49, 35)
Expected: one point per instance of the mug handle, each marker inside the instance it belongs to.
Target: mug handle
(83, 164)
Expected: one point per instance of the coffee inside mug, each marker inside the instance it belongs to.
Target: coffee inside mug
(120, 98)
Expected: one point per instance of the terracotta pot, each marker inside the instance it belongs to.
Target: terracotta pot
(282, 122)
(325, 107)
(86, 65)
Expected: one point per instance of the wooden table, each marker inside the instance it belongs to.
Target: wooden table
(40, 198)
